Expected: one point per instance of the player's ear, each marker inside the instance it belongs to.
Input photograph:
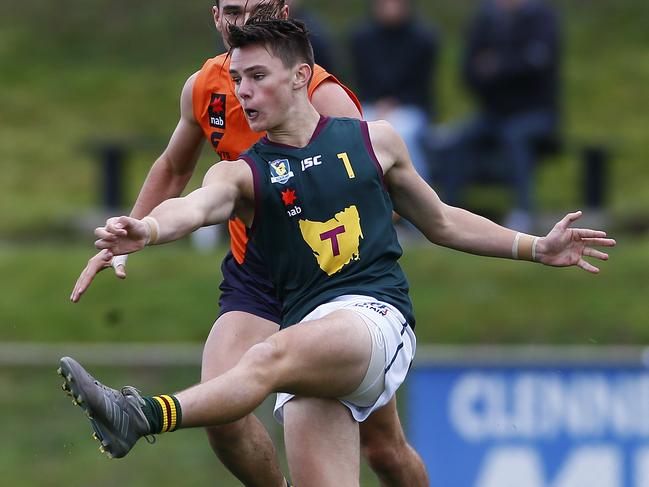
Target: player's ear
(216, 13)
(283, 14)
(302, 76)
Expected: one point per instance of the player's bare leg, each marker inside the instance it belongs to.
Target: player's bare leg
(334, 436)
(384, 446)
(244, 446)
(324, 358)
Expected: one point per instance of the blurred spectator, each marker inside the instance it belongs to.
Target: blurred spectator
(394, 57)
(319, 34)
(510, 66)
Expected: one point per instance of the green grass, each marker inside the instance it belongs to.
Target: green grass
(171, 295)
(77, 75)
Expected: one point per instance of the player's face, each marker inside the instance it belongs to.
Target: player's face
(235, 12)
(263, 86)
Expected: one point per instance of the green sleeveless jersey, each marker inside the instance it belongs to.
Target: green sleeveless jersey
(323, 220)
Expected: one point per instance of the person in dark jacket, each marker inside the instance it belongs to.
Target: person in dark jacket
(511, 67)
(394, 57)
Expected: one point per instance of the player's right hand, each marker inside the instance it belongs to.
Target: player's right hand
(96, 264)
(123, 235)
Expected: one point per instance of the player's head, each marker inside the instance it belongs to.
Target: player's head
(391, 12)
(271, 66)
(236, 12)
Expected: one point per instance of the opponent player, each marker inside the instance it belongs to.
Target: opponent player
(318, 195)
(249, 310)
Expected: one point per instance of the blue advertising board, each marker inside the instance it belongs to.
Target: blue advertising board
(531, 425)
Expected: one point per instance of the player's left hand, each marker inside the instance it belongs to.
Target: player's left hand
(565, 246)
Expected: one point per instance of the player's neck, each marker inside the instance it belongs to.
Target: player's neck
(298, 127)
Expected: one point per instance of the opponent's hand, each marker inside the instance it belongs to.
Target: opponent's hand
(96, 264)
(123, 235)
(565, 246)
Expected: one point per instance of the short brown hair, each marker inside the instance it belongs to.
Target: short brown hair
(287, 39)
(281, 3)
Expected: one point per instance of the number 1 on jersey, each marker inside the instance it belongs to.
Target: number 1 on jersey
(348, 165)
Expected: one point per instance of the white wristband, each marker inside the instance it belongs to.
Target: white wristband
(515, 246)
(118, 260)
(536, 239)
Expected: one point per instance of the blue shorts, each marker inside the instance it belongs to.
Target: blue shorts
(247, 287)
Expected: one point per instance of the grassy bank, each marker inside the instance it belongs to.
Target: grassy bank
(171, 294)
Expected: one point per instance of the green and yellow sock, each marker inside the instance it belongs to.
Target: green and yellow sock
(163, 412)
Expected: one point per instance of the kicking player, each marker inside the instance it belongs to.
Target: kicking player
(249, 310)
(318, 195)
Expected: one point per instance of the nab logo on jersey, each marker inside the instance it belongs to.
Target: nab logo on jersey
(216, 111)
(288, 198)
(280, 171)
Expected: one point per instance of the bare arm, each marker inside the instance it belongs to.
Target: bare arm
(460, 229)
(167, 178)
(227, 188)
(331, 100)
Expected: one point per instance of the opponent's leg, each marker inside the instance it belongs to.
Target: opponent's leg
(384, 446)
(321, 443)
(244, 446)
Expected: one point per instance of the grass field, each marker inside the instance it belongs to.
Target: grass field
(171, 295)
(80, 74)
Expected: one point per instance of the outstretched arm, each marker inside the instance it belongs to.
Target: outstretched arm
(227, 187)
(166, 179)
(460, 229)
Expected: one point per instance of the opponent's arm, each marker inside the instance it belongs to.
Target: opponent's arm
(462, 230)
(167, 178)
(227, 186)
(331, 100)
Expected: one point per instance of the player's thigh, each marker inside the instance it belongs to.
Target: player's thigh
(383, 427)
(231, 336)
(327, 357)
(322, 443)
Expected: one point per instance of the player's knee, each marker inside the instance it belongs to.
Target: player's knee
(266, 360)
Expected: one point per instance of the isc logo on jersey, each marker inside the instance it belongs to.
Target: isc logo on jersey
(311, 161)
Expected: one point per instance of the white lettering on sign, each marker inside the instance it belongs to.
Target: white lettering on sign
(641, 467)
(544, 405)
(597, 466)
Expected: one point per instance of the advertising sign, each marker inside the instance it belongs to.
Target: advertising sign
(531, 425)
